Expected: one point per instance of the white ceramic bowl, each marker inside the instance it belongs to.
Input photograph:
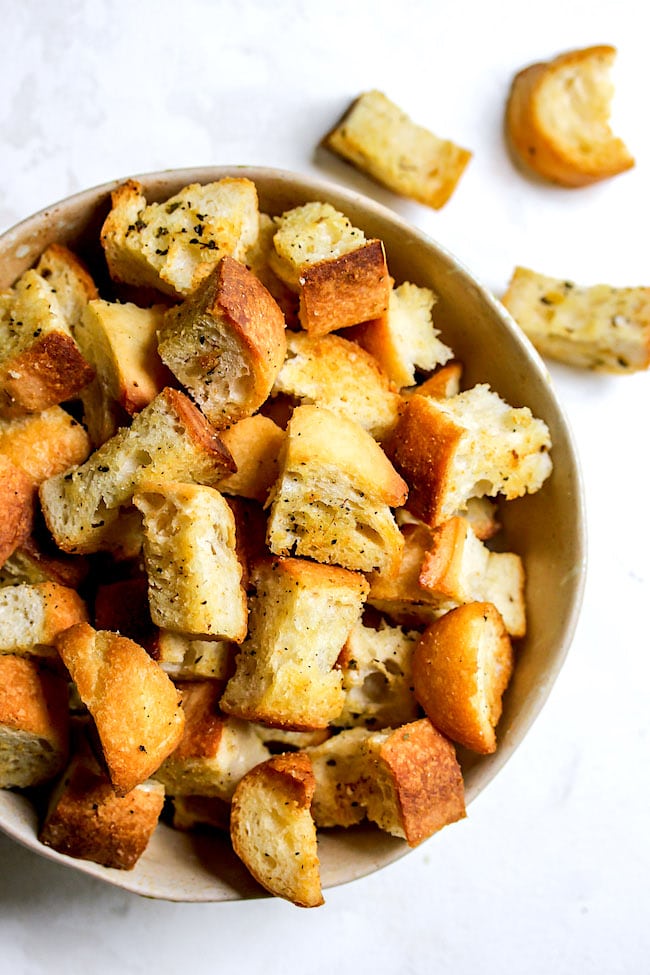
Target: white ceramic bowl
(546, 528)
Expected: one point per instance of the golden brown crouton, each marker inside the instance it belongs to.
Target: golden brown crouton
(135, 707)
(174, 245)
(39, 560)
(595, 327)
(44, 444)
(16, 506)
(272, 830)
(461, 668)
(381, 140)
(33, 723)
(254, 443)
(333, 499)
(557, 118)
(226, 343)
(300, 617)
(32, 617)
(398, 593)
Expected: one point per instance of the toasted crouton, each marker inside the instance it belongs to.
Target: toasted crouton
(404, 339)
(381, 140)
(226, 343)
(136, 708)
(69, 278)
(444, 382)
(44, 444)
(333, 499)
(38, 560)
(300, 617)
(557, 118)
(87, 820)
(595, 327)
(255, 443)
(189, 551)
(33, 723)
(120, 340)
(185, 658)
(41, 364)
(170, 439)
(461, 668)
(338, 375)
(174, 245)
(414, 784)
(459, 567)
(377, 679)
(214, 752)
(32, 616)
(339, 768)
(469, 445)
(17, 507)
(272, 830)
(257, 260)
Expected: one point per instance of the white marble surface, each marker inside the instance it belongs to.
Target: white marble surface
(550, 872)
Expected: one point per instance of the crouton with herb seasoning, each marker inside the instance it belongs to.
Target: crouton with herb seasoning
(44, 444)
(172, 246)
(134, 705)
(17, 506)
(377, 137)
(466, 446)
(300, 616)
(333, 499)
(272, 830)
(226, 343)
(195, 577)
(32, 617)
(255, 444)
(169, 438)
(340, 276)
(594, 327)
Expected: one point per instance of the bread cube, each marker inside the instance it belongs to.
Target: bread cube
(215, 750)
(189, 552)
(87, 820)
(300, 617)
(41, 364)
(557, 118)
(38, 560)
(185, 658)
(442, 383)
(32, 616)
(174, 245)
(339, 769)
(459, 567)
(17, 506)
(339, 376)
(135, 707)
(33, 723)
(272, 831)
(226, 343)
(44, 444)
(595, 327)
(377, 137)
(461, 668)
(404, 339)
(258, 261)
(254, 443)
(398, 594)
(169, 438)
(333, 499)
(377, 677)
(466, 446)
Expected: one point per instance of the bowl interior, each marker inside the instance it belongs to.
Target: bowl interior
(546, 529)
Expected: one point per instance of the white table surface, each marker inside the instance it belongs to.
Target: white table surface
(550, 872)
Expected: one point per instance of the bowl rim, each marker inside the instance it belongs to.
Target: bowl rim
(316, 188)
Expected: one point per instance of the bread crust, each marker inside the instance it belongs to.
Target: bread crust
(44, 444)
(50, 371)
(17, 507)
(345, 290)
(559, 128)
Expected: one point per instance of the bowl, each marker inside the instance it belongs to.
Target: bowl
(547, 528)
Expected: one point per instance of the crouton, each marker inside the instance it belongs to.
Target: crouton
(41, 364)
(226, 343)
(557, 118)
(214, 752)
(254, 444)
(190, 558)
(339, 769)
(444, 382)
(44, 444)
(174, 245)
(459, 567)
(461, 668)
(595, 327)
(198, 812)
(185, 658)
(257, 261)
(33, 723)
(300, 617)
(333, 499)
(336, 374)
(87, 820)
(135, 707)
(469, 445)
(32, 617)
(404, 339)
(377, 137)
(69, 277)
(16, 504)
(169, 438)
(272, 831)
